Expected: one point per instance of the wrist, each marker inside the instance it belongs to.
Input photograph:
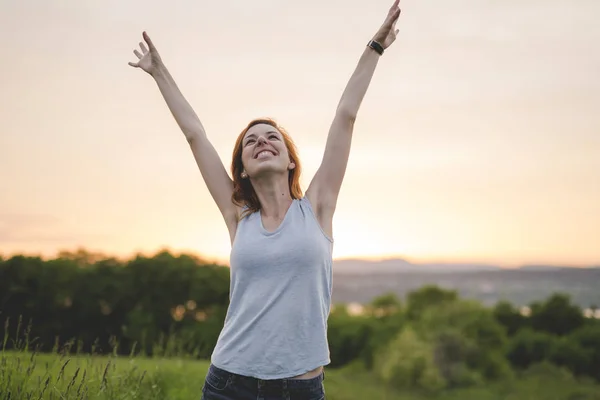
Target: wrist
(159, 70)
(375, 46)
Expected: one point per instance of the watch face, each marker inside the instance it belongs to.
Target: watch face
(376, 46)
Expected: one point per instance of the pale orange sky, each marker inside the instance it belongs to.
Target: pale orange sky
(479, 138)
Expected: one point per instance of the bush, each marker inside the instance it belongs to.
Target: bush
(588, 338)
(529, 347)
(556, 315)
(510, 317)
(407, 363)
(348, 337)
(468, 339)
(567, 353)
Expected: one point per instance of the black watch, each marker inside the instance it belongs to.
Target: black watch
(376, 46)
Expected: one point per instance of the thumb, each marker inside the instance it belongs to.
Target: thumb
(135, 65)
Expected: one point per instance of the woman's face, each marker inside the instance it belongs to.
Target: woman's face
(264, 151)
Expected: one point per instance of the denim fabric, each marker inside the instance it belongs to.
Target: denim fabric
(223, 385)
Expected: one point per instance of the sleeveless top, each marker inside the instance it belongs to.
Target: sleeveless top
(280, 297)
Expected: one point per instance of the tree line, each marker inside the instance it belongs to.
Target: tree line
(169, 304)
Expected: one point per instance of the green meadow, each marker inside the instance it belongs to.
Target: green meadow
(27, 375)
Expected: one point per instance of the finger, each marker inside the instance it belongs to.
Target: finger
(392, 17)
(147, 39)
(395, 5)
(143, 47)
(135, 65)
(390, 21)
(138, 54)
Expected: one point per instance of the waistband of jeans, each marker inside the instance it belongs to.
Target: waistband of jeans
(289, 382)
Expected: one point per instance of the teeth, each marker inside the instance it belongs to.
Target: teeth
(263, 152)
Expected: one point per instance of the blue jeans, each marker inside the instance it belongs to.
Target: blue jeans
(223, 385)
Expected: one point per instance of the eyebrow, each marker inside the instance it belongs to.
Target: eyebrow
(254, 135)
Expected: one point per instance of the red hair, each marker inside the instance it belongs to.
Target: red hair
(243, 192)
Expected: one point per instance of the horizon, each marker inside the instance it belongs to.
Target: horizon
(477, 141)
(123, 257)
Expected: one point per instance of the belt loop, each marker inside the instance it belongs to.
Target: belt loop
(286, 393)
(260, 395)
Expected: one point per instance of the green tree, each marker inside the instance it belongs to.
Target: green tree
(588, 338)
(387, 319)
(468, 342)
(556, 315)
(529, 347)
(348, 336)
(408, 363)
(510, 317)
(99, 302)
(418, 301)
(385, 305)
(567, 353)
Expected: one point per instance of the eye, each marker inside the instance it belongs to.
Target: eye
(249, 141)
(273, 137)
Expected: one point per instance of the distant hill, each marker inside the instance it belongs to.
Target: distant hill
(358, 266)
(362, 280)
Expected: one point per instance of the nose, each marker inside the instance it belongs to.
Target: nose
(261, 140)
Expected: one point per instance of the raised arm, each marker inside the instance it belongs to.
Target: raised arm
(211, 167)
(326, 184)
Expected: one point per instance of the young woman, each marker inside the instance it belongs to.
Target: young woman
(274, 341)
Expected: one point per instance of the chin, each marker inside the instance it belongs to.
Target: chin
(267, 169)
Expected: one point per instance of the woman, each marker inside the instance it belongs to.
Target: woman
(274, 341)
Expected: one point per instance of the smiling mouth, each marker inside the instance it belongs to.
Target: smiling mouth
(264, 151)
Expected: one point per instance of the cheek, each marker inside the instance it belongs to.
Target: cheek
(246, 156)
(285, 155)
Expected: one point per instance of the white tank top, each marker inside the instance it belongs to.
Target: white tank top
(280, 297)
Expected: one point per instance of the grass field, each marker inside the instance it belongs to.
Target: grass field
(45, 376)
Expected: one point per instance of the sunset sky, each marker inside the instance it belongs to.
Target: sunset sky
(478, 141)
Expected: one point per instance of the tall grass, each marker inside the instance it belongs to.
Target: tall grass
(65, 373)
(68, 374)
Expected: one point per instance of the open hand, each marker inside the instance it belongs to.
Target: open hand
(386, 35)
(149, 59)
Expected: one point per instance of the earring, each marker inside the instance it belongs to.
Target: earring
(292, 166)
(244, 175)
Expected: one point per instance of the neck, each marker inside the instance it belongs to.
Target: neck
(274, 195)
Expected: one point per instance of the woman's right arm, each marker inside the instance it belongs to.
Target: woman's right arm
(211, 167)
(218, 182)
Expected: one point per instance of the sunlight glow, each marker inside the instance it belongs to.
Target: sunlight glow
(477, 140)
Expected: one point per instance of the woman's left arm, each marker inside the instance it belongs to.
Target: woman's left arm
(326, 184)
